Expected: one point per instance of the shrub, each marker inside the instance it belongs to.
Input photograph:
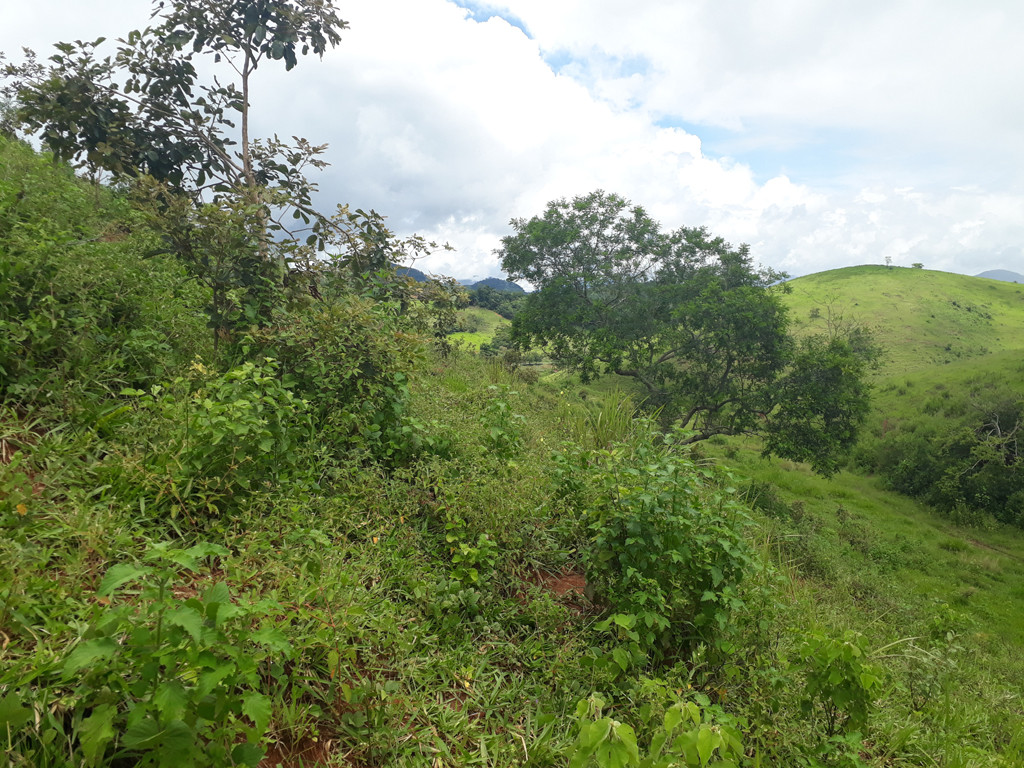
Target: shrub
(233, 434)
(839, 681)
(665, 544)
(83, 312)
(350, 359)
(156, 679)
(687, 736)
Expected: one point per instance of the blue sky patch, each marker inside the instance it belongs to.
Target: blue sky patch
(482, 12)
(818, 157)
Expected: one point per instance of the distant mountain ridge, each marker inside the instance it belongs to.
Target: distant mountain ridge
(1002, 274)
(498, 284)
(492, 282)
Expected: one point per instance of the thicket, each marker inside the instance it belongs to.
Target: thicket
(963, 453)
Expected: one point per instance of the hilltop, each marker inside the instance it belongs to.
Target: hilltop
(921, 317)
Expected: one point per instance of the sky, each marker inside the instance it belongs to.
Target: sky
(824, 133)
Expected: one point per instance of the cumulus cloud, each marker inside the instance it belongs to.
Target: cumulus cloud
(822, 134)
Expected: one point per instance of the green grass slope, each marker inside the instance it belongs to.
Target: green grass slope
(486, 323)
(921, 317)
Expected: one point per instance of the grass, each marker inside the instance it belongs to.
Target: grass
(397, 608)
(923, 318)
(486, 322)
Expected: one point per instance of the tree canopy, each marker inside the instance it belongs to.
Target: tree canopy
(693, 320)
(182, 143)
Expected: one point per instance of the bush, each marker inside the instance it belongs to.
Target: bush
(237, 432)
(350, 360)
(665, 548)
(83, 312)
(688, 735)
(839, 681)
(156, 679)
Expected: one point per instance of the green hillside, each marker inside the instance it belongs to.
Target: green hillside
(921, 317)
(325, 541)
(483, 322)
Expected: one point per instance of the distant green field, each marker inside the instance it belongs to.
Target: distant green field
(486, 321)
(921, 317)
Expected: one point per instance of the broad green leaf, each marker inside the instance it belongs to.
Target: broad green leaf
(248, 754)
(13, 714)
(141, 735)
(272, 638)
(188, 619)
(625, 620)
(596, 732)
(257, 708)
(627, 736)
(118, 575)
(705, 744)
(170, 699)
(673, 717)
(177, 745)
(96, 731)
(88, 652)
(217, 593)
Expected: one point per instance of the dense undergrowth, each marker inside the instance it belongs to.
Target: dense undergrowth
(328, 541)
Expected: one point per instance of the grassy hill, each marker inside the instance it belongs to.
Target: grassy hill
(322, 543)
(921, 317)
(484, 321)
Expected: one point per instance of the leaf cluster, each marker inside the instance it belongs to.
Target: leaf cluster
(691, 319)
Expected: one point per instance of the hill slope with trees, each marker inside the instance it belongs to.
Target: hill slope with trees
(368, 550)
(256, 509)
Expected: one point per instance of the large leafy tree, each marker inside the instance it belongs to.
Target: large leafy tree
(693, 320)
(146, 111)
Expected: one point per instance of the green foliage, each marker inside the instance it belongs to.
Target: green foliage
(143, 111)
(158, 677)
(964, 458)
(503, 435)
(822, 399)
(350, 359)
(614, 419)
(505, 303)
(687, 736)
(473, 561)
(665, 551)
(692, 320)
(82, 313)
(219, 244)
(232, 434)
(840, 681)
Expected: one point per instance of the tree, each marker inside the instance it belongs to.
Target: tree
(143, 112)
(692, 320)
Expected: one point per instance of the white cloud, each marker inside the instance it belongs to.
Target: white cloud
(840, 132)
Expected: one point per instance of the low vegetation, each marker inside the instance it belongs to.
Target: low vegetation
(357, 550)
(263, 509)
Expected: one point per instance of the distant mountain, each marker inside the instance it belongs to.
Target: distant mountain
(1003, 274)
(498, 284)
(415, 274)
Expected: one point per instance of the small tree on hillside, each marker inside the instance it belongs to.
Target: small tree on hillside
(143, 112)
(692, 320)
